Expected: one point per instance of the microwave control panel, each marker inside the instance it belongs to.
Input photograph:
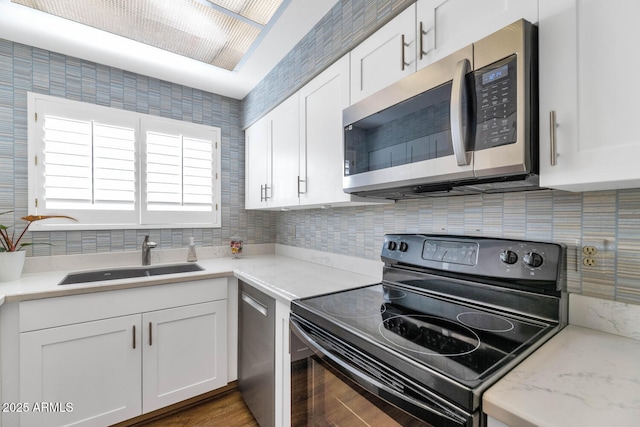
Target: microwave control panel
(496, 104)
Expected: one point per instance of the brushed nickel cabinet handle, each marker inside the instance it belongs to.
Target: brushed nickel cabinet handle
(552, 137)
(299, 181)
(404, 62)
(422, 34)
(150, 334)
(134, 337)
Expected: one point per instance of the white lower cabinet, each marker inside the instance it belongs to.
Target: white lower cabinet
(91, 370)
(100, 372)
(183, 353)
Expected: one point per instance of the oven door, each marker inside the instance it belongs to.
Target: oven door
(334, 384)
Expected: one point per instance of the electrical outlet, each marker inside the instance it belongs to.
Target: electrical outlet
(594, 254)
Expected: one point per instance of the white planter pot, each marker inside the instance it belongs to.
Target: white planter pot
(11, 264)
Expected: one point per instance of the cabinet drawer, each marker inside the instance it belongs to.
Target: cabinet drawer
(59, 311)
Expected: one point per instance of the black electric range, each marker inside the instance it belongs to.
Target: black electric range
(452, 314)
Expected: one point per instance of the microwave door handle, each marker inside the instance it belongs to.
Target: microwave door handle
(457, 131)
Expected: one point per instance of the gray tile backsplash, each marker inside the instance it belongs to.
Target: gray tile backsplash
(609, 219)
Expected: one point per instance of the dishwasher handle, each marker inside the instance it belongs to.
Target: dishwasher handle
(261, 308)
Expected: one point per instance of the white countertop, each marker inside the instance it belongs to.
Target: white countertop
(282, 277)
(581, 377)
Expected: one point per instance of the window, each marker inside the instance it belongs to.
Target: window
(113, 168)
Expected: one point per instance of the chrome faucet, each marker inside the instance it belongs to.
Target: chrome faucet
(146, 250)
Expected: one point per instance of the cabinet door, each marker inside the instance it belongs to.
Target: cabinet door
(92, 366)
(184, 353)
(385, 57)
(257, 163)
(285, 136)
(445, 26)
(587, 52)
(321, 156)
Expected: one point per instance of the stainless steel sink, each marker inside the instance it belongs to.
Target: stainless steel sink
(127, 273)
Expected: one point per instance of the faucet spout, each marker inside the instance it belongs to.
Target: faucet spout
(146, 250)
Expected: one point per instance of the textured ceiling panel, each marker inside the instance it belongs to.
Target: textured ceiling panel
(213, 34)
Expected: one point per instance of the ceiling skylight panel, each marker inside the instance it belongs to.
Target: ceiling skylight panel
(215, 32)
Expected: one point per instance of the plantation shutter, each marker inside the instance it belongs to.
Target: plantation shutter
(179, 173)
(111, 168)
(114, 160)
(88, 165)
(197, 174)
(67, 160)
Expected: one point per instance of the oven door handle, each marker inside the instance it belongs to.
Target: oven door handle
(376, 387)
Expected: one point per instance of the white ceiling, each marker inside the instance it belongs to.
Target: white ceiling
(28, 26)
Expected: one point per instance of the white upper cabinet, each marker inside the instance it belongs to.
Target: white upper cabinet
(271, 155)
(294, 155)
(385, 57)
(588, 54)
(257, 163)
(321, 164)
(444, 26)
(284, 151)
(425, 32)
(321, 150)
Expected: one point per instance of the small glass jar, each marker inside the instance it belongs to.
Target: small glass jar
(236, 246)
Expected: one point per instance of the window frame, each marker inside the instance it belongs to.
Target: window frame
(96, 219)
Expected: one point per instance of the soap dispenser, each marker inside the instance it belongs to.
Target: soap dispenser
(191, 256)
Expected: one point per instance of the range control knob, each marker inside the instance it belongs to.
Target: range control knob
(403, 247)
(392, 245)
(509, 257)
(532, 259)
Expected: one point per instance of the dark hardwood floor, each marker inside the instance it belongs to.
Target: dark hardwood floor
(227, 410)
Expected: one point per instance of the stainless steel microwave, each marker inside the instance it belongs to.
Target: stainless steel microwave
(467, 123)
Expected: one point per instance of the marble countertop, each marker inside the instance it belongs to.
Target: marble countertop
(586, 375)
(284, 275)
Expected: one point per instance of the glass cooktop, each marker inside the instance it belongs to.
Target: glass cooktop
(464, 342)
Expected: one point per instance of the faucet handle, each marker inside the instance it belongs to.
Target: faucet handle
(148, 243)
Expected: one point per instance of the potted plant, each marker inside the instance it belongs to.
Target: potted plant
(11, 249)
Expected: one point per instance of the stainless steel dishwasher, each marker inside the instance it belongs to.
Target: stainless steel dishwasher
(256, 353)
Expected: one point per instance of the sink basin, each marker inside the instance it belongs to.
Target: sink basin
(127, 273)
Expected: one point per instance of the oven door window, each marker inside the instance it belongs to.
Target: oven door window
(322, 396)
(348, 388)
